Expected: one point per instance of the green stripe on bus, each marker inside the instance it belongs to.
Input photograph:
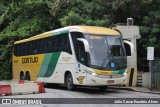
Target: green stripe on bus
(60, 32)
(119, 71)
(52, 64)
(45, 64)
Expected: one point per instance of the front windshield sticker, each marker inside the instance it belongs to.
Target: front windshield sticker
(112, 65)
(79, 66)
(95, 37)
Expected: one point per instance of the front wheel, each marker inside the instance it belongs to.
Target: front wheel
(69, 82)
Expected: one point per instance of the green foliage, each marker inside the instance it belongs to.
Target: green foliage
(83, 12)
(21, 19)
(150, 32)
(71, 19)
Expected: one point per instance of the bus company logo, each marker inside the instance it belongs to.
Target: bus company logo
(66, 59)
(80, 79)
(6, 101)
(30, 60)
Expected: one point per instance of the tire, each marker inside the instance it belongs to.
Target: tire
(21, 76)
(102, 88)
(27, 77)
(69, 82)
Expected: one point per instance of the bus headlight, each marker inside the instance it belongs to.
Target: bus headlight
(90, 72)
(87, 71)
(125, 73)
(94, 73)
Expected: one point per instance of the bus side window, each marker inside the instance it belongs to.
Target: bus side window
(20, 49)
(41, 50)
(24, 48)
(128, 49)
(57, 44)
(16, 50)
(27, 48)
(47, 42)
(45, 45)
(78, 47)
(62, 43)
(36, 47)
(53, 44)
(30, 48)
(80, 52)
(65, 45)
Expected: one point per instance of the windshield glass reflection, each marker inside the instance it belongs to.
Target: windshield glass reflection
(106, 52)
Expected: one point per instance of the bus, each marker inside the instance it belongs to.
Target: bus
(74, 56)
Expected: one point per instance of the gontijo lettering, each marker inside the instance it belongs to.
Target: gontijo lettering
(30, 60)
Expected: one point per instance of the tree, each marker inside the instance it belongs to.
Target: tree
(150, 32)
(21, 19)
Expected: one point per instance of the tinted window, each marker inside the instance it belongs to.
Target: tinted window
(76, 35)
(45, 45)
(128, 49)
(79, 47)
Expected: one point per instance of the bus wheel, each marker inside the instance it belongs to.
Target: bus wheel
(21, 75)
(69, 82)
(102, 88)
(27, 77)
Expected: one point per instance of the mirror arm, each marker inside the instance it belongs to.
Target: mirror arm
(130, 44)
(85, 42)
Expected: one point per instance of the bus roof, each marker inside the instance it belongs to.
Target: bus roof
(85, 29)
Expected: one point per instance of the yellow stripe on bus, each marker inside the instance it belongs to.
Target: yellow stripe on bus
(103, 72)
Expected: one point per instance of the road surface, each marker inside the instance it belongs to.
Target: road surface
(84, 92)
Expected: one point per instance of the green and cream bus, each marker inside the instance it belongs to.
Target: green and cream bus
(73, 55)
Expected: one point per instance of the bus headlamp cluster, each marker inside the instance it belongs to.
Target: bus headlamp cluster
(125, 73)
(94, 73)
(102, 76)
(90, 72)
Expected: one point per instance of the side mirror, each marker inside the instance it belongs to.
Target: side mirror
(130, 44)
(86, 44)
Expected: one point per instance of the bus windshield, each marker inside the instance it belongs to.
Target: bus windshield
(106, 52)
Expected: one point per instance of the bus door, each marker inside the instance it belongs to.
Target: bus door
(81, 57)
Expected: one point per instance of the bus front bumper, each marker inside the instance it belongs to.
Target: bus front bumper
(100, 80)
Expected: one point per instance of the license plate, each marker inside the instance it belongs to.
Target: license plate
(110, 81)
